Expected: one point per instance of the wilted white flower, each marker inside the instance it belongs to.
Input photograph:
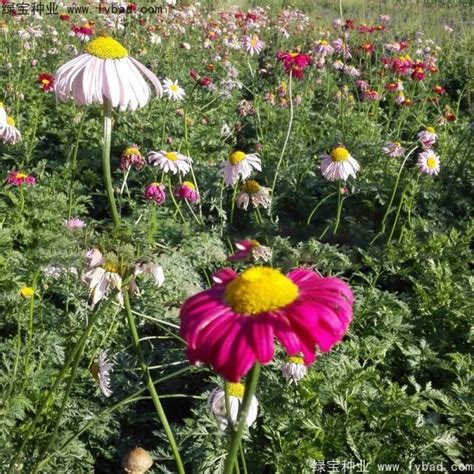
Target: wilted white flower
(293, 370)
(100, 370)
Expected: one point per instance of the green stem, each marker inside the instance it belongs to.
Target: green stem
(72, 355)
(320, 203)
(73, 166)
(232, 206)
(250, 389)
(287, 137)
(106, 161)
(149, 383)
(176, 205)
(339, 208)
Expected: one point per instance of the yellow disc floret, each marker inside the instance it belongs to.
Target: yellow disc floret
(236, 390)
(430, 129)
(27, 292)
(21, 175)
(340, 154)
(323, 43)
(132, 151)
(260, 289)
(250, 187)
(170, 155)
(431, 162)
(10, 121)
(236, 157)
(296, 360)
(106, 48)
(110, 267)
(189, 185)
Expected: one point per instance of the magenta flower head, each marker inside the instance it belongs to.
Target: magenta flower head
(187, 191)
(131, 156)
(250, 250)
(232, 325)
(15, 178)
(155, 192)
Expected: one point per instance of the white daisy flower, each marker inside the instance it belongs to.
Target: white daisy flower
(8, 132)
(428, 162)
(170, 161)
(339, 165)
(251, 191)
(239, 164)
(100, 370)
(293, 370)
(150, 268)
(252, 44)
(106, 72)
(172, 90)
(101, 277)
(216, 403)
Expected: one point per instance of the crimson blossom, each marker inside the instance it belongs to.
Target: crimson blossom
(232, 325)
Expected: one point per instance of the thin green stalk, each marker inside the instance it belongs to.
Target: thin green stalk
(340, 201)
(149, 383)
(70, 358)
(232, 206)
(31, 310)
(397, 215)
(106, 161)
(178, 209)
(250, 388)
(287, 137)
(320, 203)
(392, 197)
(242, 457)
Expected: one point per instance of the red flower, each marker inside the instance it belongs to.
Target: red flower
(418, 73)
(205, 81)
(294, 63)
(64, 17)
(46, 81)
(368, 48)
(349, 24)
(439, 90)
(132, 7)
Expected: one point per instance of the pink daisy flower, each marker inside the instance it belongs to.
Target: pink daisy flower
(187, 191)
(252, 44)
(74, 223)
(131, 156)
(339, 164)
(427, 137)
(233, 324)
(15, 178)
(323, 48)
(155, 192)
(428, 162)
(393, 149)
(250, 250)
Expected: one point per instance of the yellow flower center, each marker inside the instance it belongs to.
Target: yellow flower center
(1, 105)
(296, 360)
(10, 121)
(45, 81)
(21, 176)
(293, 55)
(254, 41)
(106, 48)
(110, 267)
(236, 157)
(174, 88)
(172, 156)
(260, 289)
(255, 243)
(323, 43)
(397, 144)
(430, 129)
(339, 154)
(27, 292)
(250, 186)
(132, 151)
(431, 162)
(236, 390)
(189, 185)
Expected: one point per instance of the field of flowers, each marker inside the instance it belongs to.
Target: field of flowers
(236, 239)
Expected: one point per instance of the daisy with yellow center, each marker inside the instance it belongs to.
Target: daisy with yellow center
(236, 391)
(105, 72)
(252, 44)
(233, 325)
(293, 370)
(323, 48)
(251, 191)
(9, 134)
(172, 90)
(428, 162)
(427, 137)
(250, 250)
(339, 165)
(239, 164)
(170, 161)
(27, 292)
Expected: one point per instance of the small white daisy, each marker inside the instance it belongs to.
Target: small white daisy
(216, 403)
(239, 164)
(339, 165)
(293, 370)
(172, 90)
(428, 162)
(394, 149)
(8, 132)
(100, 370)
(170, 161)
(251, 191)
(252, 44)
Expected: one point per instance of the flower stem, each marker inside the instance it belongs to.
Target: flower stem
(339, 208)
(149, 383)
(106, 161)
(250, 388)
(285, 143)
(320, 203)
